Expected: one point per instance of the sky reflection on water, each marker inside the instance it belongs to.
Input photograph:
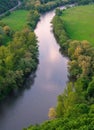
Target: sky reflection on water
(32, 104)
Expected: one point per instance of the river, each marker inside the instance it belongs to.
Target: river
(31, 105)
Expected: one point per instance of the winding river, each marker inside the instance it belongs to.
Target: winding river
(31, 105)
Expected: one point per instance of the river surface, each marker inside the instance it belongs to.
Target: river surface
(31, 105)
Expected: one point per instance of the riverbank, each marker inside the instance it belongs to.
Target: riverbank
(33, 18)
(76, 103)
(45, 87)
(23, 47)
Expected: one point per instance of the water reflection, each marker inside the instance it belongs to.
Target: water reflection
(30, 81)
(12, 99)
(32, 105)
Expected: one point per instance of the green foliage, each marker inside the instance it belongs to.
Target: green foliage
(5, 34)
(7, 4)
(7, 13)
(1, 39)
(58, 30)
(82, 122)
(19, 19)
(80, 53)
(43, 5)
(33, 18)
(46, 5)
(19, 57)
(17, 60)
(81, 59)
(90, 89)
(77, 100)
(58, 12)
(74, 108)
(81, 2)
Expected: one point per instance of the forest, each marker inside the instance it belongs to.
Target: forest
(18, 54)
(17, 59)
(5, 5)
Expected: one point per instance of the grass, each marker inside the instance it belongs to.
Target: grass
(16, 20)
(79, 23)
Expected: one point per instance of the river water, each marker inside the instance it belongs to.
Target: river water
(31, 105)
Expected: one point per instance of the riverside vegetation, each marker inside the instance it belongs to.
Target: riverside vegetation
(19, 57)
(18, 51)
(75, 106)
(17, 60)
(10, 59)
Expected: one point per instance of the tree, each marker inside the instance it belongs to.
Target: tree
(90, 89)
(58, 12)
(7, 30)
(1, 39)
(74, 69)
(85, 64)
(52, 113)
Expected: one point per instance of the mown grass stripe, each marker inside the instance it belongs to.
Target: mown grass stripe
(79, 22)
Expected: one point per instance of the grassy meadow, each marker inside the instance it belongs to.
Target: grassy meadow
(16, 20)
(79, 22)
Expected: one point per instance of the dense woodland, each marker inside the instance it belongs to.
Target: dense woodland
(81, 2)
(17, 60)
(45, 5)
(5, 5)
(18, 54)
(42, 5)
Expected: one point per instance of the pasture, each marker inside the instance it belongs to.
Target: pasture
(79, 22)
(16, 20)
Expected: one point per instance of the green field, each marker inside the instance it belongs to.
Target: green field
(79, 22)
(17, 20)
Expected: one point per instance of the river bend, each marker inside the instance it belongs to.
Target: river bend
(31, 105)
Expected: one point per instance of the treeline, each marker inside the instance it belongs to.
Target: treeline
(18, 54)
(33, 18)
(5, 34)
(17, 60)
(5, 5)
(42, 5)
(81, 2)
(59, 30)
(75, 106)
(46, 5)
(50, 5)
(82, 122)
